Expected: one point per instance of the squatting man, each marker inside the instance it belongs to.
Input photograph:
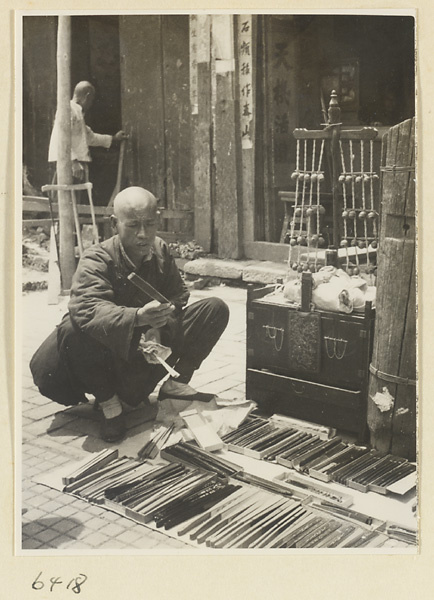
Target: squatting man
(98, 347)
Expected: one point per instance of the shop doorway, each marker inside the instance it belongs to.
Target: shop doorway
(368, 60)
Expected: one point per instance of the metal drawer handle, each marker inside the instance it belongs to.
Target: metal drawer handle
(335, 347)
(272, 333)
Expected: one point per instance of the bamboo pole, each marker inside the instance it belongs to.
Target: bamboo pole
(64, 169)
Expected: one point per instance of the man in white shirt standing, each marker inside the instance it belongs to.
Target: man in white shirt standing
(82, 135)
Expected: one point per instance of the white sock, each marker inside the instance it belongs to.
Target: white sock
(111, 408)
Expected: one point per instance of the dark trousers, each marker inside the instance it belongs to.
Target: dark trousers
(69, 363)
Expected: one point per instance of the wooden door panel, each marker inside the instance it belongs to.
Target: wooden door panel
(142, 101)
(177, 131)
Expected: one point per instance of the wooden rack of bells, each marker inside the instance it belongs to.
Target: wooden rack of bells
(307, 363)
(354, 187)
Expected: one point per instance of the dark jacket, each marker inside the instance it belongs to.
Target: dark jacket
(102, 308)
(104, 302)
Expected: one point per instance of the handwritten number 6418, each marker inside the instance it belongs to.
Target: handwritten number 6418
(74, 585)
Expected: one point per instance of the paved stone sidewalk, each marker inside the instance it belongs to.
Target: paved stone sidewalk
(53, 436)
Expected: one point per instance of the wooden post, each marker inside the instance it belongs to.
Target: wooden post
(392, 386)
(306, 291)
(334, 114)
(200, 89)
(227, 143)
(64, 170)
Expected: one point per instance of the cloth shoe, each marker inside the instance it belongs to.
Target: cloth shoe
(176, 390)
(113, 430)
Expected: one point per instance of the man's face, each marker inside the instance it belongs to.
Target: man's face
(136, 225)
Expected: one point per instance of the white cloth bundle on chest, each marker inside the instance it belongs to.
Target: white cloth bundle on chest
(334, 290)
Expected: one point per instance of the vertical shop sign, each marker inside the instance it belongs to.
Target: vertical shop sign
(282, 102)
(280, 89)
(245, 61)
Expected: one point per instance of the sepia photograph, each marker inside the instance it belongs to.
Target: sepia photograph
(216, 283)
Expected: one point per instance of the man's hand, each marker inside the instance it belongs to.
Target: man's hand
(119, 136)
(77, 170)
(154, 314)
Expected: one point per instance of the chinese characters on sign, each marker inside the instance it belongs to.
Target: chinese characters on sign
(284, 110)
(280, 88)
(193, 64)
(246, 87)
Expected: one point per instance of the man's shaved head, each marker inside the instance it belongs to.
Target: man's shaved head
(84, 93)
(135, 219)
(83, 87)
(133, 198)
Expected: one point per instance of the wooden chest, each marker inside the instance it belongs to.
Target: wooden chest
(311, 366)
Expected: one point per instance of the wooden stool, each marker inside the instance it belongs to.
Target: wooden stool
(74, 188)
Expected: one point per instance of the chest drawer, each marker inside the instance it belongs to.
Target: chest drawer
(321, 347)
(307, 400)
(267, 337)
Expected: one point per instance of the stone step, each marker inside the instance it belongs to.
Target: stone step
(247, 271)
(265, 272)
(214, 267)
